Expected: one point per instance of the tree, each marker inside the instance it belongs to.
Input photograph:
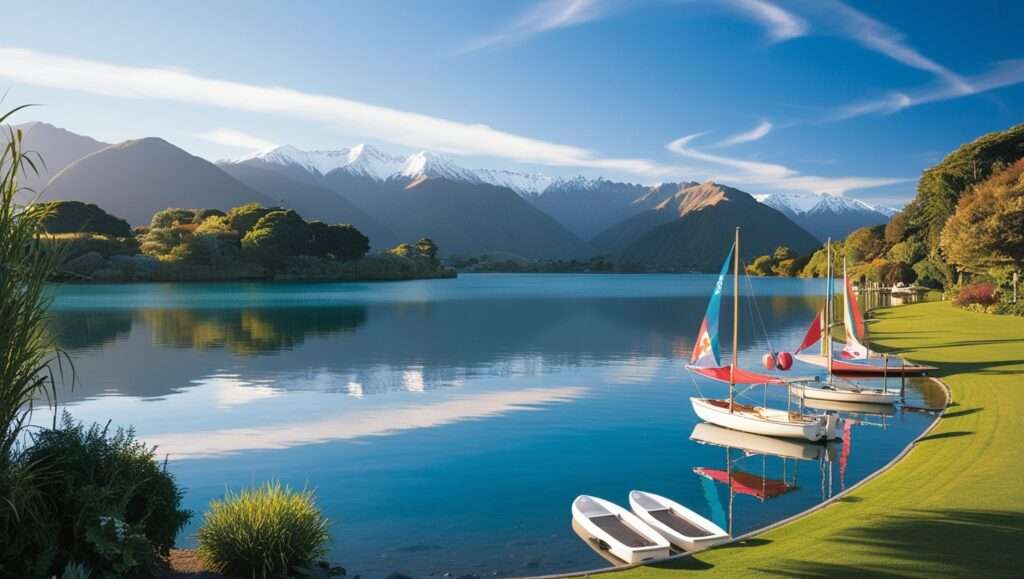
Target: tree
(171, 217)
(782, 252)
(341, 242)
(865, 244)
(403, 250)
(896, 229)
(245, 217)
(427, 248)
(761, 266)
(78, 217)
(204, 214)
(276, 236)
(987, 229)
(908, 252)
(940, 187)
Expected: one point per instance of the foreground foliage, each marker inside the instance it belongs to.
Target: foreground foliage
(267, 531)
(108, 504)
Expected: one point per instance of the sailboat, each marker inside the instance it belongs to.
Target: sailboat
(834, 389)
(855, 359)
(727, 412)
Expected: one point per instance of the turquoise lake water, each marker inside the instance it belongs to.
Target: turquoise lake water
(447, 425)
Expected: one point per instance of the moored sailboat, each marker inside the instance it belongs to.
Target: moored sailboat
(855, 359)
(833, 389)
(727, 412)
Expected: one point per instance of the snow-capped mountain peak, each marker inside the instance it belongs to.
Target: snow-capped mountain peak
(812, 203)
(368, 161)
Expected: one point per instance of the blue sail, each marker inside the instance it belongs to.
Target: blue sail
(705, 351)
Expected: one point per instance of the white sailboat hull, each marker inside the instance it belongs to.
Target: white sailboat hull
(824, 392)
(767, 421)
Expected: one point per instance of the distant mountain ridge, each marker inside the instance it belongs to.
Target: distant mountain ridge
(827, 216)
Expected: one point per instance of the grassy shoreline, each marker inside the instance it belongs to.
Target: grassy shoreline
(953, 506)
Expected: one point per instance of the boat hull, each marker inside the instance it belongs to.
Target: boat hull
(713, 534)
(583, 516)
(867, 396)
(848, 368)
(767, 421)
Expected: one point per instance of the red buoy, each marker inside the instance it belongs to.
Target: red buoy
(768, 360)
(785, 360)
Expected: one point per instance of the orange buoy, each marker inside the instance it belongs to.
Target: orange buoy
(768, 360)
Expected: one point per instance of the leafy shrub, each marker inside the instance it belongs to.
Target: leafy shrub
(266, 531)
(78, 217)
(204, 214)
(245, 217)
(277, 235)
(1010, 309)
(981, 293)
(342, 242)
(171, 217)
(109, 504)
(77, 244)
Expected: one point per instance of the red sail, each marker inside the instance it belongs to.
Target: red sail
(813, 334)
(742, 376)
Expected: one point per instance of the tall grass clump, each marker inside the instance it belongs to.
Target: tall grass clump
(266, 531)
(29, 361)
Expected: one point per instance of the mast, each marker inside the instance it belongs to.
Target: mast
(828, 309)
(735, 321)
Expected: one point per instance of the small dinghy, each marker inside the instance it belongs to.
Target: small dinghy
(627, 537)
(842, 391)
(681, 526)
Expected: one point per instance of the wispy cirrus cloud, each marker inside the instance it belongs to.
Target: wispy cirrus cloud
(880, 37)
(780, 24)
(542, 17)
(743, 171)
(1003, 74)
(344, 116)
(757, 133)
(238, 139)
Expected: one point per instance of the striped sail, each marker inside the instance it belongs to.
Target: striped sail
(705, 351)
(853, 321)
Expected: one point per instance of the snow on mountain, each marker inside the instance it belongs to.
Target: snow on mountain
(525, 184)
(427, 164)
(812, 203)
(364, 160)
(368, 161)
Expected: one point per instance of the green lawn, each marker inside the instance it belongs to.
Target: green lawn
(953, 506)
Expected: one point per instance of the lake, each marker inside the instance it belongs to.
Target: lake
(447, 425)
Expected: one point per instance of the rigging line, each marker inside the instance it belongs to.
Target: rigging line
(757, 309)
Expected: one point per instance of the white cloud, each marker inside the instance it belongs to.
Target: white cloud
(345, 116)
(1006, 73)
(877, 36)
(781, 25)
(542, 17)
(758, 132)
(238, 139)
(773, 175)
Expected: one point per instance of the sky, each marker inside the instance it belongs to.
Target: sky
(770, 96)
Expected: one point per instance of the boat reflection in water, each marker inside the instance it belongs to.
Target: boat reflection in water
(743, 448)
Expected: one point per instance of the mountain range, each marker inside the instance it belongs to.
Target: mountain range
(827, 216)
(396, 198)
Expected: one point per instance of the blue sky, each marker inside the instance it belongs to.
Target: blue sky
(766, 95)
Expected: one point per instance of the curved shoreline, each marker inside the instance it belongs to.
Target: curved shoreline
(782, 522)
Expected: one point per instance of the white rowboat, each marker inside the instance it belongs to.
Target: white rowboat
(680, 525)
(627, 537)
(843, 392)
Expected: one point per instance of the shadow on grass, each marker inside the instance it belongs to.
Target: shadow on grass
(695, 564)
(964, 412)
(922, 543)
(941, 435)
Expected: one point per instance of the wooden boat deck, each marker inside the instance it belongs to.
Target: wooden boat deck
(669, 518)
(615, 527)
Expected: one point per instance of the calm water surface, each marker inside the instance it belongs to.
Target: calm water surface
(446, 425)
